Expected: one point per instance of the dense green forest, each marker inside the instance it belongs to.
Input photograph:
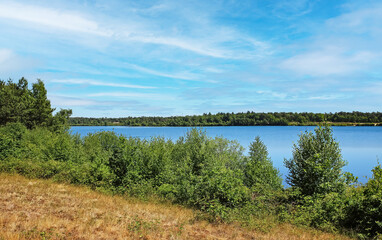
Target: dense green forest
(241, 119)
(212, 175)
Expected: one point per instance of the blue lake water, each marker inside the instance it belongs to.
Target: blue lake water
(361, 146)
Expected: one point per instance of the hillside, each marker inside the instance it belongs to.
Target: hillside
(42, 209)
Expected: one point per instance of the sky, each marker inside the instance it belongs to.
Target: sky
(174, 58)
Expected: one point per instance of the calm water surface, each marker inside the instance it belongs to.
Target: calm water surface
(361, 146)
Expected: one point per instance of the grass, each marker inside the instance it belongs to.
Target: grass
(42, 209)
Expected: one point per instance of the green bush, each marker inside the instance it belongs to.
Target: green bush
(31, 168)
(316, 165)
(204, 169)
(11, 137)
(41, 143)
(368, 212)
(221, 184)
(259, 174)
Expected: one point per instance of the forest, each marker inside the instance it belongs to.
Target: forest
(211, 175)
(241, 119)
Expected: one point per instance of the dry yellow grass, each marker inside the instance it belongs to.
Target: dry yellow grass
(41, 209)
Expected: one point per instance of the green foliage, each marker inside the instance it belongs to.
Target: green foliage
(209, 174)
(316, 165)
(60, 121)
(366, 213)
(326, 212)
(40, 110)
(222, 186)
(15, 101)
(322, 196)
(11, 137)
(30, 107)
(205, 173)
(259, 174)
(242, 119)
(31, 168)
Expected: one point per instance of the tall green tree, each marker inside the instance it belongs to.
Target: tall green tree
(316, 165)
(259, 173)
(15, 101)
(41, 112)
(30, 107)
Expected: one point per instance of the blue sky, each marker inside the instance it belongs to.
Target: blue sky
(162, 58)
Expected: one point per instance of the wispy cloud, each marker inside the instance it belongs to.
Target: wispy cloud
(291, 9)
(10, 61)
(322, 63)
(364, 19)
(102, 108)
(209, 43)
(183, 76)
(51, 18)
(272, 94)
(188, 45)
(98, 83)
(133, 95)
(372, 88)
(69, 101)
(342, 45)
(327, 97)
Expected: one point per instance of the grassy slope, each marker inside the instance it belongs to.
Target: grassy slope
(41, 209)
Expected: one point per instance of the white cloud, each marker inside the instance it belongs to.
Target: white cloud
(183, 76)
(66, 101)
(272, 94)
(207, 39)
(102, 108)
(342, 45)
(322, 63)
(358, 21)
(51, 18)
(133, 95)
(189, 45)
(5, 54)
(374, 88)
(98, 83)
(9, 61)
(212, 41)
(327, 97)
(286, 9)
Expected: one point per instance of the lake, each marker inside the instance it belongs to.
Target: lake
(361, 146)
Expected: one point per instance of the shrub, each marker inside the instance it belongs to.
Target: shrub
(369, 214)
(221, 184)
(259, 173)
(11, 136)
(316, 164)
(31, 168)
(205, 173)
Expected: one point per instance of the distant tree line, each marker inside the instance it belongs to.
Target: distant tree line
(241, 119)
